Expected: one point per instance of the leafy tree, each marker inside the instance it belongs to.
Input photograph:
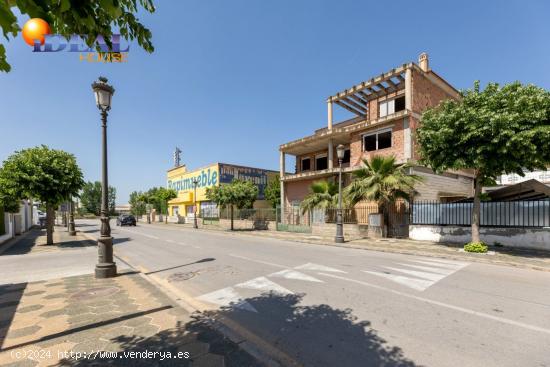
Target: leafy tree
(138, 203)
(8, 203)
(88, 18)
(238, 193)
(49, 175)
(322, 194)
(90, 198)
(492, 131)
(383, 181)
(163, 196)
(272, 191)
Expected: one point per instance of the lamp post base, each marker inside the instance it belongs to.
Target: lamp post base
(72, 229)
(339, 239)
(105, 270)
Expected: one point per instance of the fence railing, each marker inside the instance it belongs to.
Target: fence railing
(263, 214)
(358, 215)
(534, 213)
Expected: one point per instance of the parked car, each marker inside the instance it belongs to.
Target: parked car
(126, 220)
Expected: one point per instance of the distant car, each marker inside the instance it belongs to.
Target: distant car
(126, 220)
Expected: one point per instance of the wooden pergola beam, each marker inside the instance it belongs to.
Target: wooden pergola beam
(349, 108)
(348, 101)
(361, 101)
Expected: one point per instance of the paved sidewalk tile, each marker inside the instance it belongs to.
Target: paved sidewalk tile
(72, 321)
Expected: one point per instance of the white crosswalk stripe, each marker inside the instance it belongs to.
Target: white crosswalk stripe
(419, 277)
(296, 275)
(227, 297)
(263, 284)
(317, 267)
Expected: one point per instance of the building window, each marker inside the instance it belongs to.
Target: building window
(306, 164)
(321, 162)
(388, 107)
(376, 141)
(347, 156)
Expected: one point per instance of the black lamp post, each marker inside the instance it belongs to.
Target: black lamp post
(106, 267)
(195, 183)
(340, 150)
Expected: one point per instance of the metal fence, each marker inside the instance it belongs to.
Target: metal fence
(264, 214)
(358, 215)
(534, 213)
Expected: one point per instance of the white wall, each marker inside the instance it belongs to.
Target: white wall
(534, 238)
(7, 222)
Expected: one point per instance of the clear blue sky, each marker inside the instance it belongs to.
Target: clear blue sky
(231, 80)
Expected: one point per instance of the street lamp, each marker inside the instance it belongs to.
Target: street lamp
(106, 267)
(195, 183)
(340, 150)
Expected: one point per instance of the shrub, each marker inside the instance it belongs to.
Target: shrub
(475, 247)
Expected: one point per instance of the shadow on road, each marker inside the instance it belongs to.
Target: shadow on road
(316, 335)
(208, 259)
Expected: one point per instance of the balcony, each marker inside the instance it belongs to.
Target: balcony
(317, 174)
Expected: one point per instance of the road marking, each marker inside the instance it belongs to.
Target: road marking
(293, 274)
(418, 274)
(414, 283)
(264, 284)
(227, 297)
(420, 280)
(443, 304)
(259, 261)
(317, 267)
(441, 265)
(426, 268)
(171, 241)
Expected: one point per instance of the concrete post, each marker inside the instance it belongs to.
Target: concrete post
(330, 155)
(329, 114)
(408, 89)
(281, 176)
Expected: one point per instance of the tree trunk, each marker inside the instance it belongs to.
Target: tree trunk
(49, 224)
(476, 209)
(231, 217)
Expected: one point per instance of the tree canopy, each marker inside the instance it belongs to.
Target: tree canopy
(272, 191)
(88, 18)
(501, 129)
(238, 193)
(322, 194)
(90, 198)
(381, 180)
(49, 175)
(493, 131)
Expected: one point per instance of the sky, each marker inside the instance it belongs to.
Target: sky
(229, 81)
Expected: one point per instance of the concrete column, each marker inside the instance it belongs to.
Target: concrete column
(330, 156)
(329, 114)
(281, 176)
(408, 89)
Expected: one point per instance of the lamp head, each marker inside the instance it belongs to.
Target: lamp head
(103, 93)
(340, 150)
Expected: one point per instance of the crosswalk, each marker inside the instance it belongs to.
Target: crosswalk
(418, 274)
(419, 277)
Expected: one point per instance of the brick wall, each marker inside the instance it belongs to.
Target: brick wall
(357, 153)
(296, 190)
(425, 93)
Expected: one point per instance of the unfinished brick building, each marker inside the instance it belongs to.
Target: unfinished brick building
(387, 112)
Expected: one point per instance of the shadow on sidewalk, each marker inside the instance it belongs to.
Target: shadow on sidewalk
(10, 297)
(310, 335)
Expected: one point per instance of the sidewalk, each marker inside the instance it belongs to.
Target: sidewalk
(71, 321)
(507, 256)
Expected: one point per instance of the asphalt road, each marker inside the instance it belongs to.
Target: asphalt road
(325, 306)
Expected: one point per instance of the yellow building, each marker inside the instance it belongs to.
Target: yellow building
(182, 181)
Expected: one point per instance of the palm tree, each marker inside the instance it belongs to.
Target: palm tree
(382, 181)
(322, 194)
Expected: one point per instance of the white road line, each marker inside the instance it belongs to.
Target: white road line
(443, 304)
(227, 297)
(420, 274)
(426, 268)
(260, 261)
(296, 275)
(263, 284)
(317, 267)
(414, 283)
(171, 241)
(441, 265)
(451, 262)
